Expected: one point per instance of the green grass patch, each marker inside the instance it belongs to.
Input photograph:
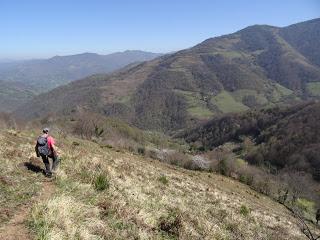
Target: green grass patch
(144, 138)
(200, 112)
(163, 179)
(283, 90)
(314, 88)
(232, 54)
(238, 95)
(124, 100)
(226, 103)
(101, 182)
(39, 224)
(244, 210)
(240, 162)
(307, 207)
(278, 92)
(197, 107)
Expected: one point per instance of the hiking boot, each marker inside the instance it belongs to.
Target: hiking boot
(49, 175)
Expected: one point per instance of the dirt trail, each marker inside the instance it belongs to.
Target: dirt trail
(16, 228)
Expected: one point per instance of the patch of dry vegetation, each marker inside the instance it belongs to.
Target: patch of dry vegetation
(102, 193)
(147, 199)
(17, 185)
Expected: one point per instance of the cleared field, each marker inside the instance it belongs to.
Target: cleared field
(197, 107)
(226, 103)
(314, 88)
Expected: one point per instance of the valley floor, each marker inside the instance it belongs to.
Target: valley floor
(103, 193)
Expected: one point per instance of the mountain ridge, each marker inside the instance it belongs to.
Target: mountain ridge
(251, 68)
(42, 75)
(45, 74)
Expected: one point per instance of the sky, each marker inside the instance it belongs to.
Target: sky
(45, 28)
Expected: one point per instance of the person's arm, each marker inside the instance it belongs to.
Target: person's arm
(53, 147)
(51, 143)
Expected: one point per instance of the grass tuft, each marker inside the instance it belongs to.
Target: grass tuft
(244, 210)
(163, 179)
(101, 182)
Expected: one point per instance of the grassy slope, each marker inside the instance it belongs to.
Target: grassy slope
(314, 88)
(15, 185)
(226, 103)
(197, 107)
(146, 199)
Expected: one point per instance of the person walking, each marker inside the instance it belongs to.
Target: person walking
(46, 149)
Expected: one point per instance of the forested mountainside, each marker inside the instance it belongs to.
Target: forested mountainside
(12, 94)
(283, 137)
(254, 67)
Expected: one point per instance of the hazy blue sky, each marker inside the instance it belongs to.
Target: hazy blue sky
(43, 28)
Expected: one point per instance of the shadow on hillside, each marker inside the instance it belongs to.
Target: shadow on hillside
(32, 167)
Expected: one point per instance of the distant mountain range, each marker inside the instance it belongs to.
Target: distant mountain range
(255, 67)
(45, 74)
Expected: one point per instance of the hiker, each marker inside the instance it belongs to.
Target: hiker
(46, 149)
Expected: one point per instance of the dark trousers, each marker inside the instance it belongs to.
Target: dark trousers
(50, 167)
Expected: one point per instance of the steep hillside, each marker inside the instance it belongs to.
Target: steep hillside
(307, 46)
(13, 94)
(287, 138)
(100, 193)
(251, 68)
(46, 74)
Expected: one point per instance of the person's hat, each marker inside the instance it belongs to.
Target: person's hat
(46, 130)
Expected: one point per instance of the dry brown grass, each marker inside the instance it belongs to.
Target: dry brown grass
(191, 205)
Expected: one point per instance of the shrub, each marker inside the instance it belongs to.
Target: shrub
(246, 179)
(243, 178)
(283, 195)
(101, 182)
(171, 223)
(221, 161)
(88, 125)
(152, 154)
(163, 179)
(222, 167)
(244, 210)
(141, 150)
(98, 131)
(198, 162)
(306, 205)
(263, 186)
(180, 159)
